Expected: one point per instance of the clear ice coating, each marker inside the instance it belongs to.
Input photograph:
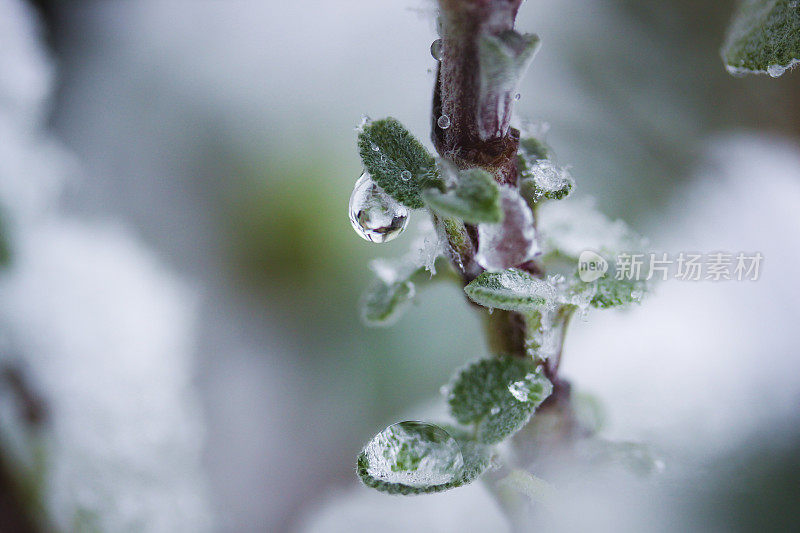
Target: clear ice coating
(415, 454)
(376, 216)
(548, 178)
(443, 122)
(436, 49)
(521, 390)
(512, 241)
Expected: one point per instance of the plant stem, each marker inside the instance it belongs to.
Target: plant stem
(469, 142)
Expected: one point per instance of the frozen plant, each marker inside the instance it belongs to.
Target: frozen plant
(764, 38)
(510, 239)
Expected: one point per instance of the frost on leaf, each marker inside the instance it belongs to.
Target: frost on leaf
(498, 395)
(531, 149)
(542, 179)
(764, 37)
(397, 161)
(390, 294)
(503, 58)
(511, 290)
(418, 457)
(475, 198)
(393, 289)
(511, 242)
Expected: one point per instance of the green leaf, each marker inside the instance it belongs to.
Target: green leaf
(384, 302)
(397, 161)
(764, 37)
(612, 292)
(475, 199)
(545, 180)
(498, 395)
(531, 149)
(418, 457)
(511, 289)
(503, 59)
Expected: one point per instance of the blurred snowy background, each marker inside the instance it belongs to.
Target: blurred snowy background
(179, 342)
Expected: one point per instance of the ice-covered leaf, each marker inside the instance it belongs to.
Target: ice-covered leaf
(542, 179)
(474, 199)
(512, 290)
(418, 457)
(612, 292)
(397, 161)
(512, 241)
(764, 37)
(498, 395)
(503, 58)
(385, 302)
(531, 149)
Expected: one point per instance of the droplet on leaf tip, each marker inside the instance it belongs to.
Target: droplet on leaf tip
(376, 216)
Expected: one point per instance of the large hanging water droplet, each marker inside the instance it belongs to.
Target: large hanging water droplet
(415, 454)
(436, 49)
(376, 216)
(443, 122)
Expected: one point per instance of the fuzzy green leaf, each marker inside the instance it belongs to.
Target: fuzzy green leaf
(764, 37)
(397, 161)
(498, 395)
(511, 289)
(475, 199)
(418, 458)
(545, 180)
(531, 149)
(612, 292)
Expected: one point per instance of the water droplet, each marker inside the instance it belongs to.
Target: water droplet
(416, 454)
(375, 147)
(443, 122)
(405, 175)
(517, 96)
(436, 49)
(376, 216)
(495, 410)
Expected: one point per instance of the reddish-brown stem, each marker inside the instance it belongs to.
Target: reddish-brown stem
(457, 95)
